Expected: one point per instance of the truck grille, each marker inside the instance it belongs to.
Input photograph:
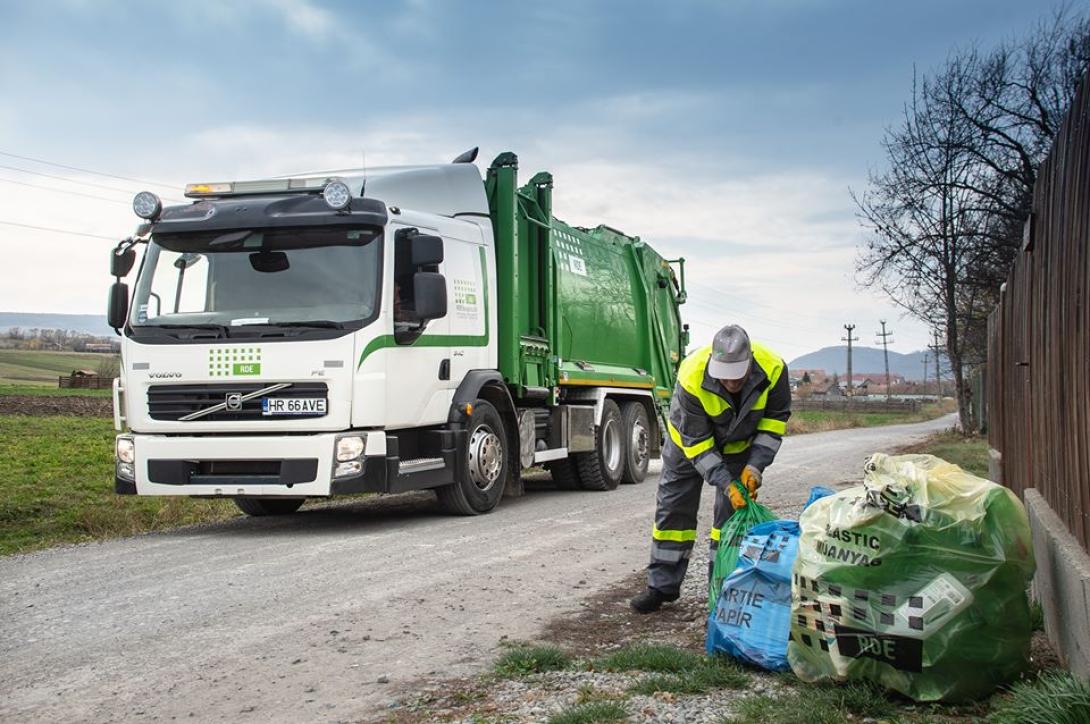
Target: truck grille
(172, 402)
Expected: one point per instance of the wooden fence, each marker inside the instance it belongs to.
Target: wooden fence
(1038, 381)
(857, 404)
(92, 382)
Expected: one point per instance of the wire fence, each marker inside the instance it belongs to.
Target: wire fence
(1038, 382)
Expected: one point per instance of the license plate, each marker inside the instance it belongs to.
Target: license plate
(292, 406)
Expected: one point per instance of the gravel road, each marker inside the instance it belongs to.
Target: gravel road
(328, 614)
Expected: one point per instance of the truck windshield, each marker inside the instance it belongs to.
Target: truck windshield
(291, 277)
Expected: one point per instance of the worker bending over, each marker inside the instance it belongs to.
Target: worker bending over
(727, 420)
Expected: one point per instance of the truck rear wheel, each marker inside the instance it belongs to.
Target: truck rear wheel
(565, 474)
(259, 507)
(485, 465)
(637, 438)
(601, 469)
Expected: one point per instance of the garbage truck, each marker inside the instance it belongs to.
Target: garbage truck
(385, 330)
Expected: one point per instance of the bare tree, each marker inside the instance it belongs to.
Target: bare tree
(946, 218)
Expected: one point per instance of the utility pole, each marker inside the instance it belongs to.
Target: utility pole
(936, 349)
(926, 361)
(849, 339)
(885, 337)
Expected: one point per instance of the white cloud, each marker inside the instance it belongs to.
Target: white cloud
(773, 251)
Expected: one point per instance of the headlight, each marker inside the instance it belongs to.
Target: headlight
(337, 194)
(147, 205)
(349, 448)
(125, 450)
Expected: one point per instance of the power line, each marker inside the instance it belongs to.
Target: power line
(130, 192)
(63, 191)
(57, 231)
(86, 170)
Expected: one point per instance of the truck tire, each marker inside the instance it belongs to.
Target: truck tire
(259, 507)
(565, 474)
(601, 468)
(637, 439)
(482, 473)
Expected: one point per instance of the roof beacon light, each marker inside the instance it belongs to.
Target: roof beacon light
(147, 205)
(337, 194)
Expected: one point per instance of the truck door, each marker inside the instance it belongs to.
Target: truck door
(418, 364)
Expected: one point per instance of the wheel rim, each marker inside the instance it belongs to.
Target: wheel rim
(611, 445)
(641, 448)
(485, 457)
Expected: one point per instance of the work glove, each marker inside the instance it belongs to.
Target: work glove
(751, 478)
(737, 497)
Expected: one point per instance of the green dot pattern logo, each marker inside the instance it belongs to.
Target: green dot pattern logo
(234, 361)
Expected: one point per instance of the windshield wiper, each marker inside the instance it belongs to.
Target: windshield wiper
(220, 328)
(325, 323)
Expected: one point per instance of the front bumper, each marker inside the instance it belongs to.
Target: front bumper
(267, 466)
(292, 466)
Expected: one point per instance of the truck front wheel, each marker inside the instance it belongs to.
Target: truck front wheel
(268, 506)
(485, 465)
(601, 469)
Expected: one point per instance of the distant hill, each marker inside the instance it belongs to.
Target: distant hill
(90, 323)
(866, 360)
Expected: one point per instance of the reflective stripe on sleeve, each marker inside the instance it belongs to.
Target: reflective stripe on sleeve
(714, 535)
(768, 441)
(678, 536)
(769, 425)
(705, 462)
(735, 447)
(691, 451)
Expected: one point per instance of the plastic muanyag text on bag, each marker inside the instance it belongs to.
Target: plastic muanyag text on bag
(915, 580)
(730, 538)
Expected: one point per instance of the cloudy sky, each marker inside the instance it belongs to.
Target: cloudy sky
(726, 132)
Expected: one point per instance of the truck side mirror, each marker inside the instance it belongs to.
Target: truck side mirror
(121, 264)
(426, 250)
(118, 308)
(429, 295)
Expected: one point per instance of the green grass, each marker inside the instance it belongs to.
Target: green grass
(56, 486)
(1053, 698)
(969, 453)
(526, 660)
(804, 421)
(716, 673)
(656, 658)
(23, 367)
(595, 711)
(36, 390)
(825, 704)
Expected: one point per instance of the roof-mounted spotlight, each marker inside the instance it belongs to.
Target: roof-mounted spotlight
(337, 194)
(147, 205)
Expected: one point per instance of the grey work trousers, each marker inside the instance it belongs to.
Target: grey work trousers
(675, 523)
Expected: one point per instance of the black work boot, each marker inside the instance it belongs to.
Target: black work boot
(651, 600)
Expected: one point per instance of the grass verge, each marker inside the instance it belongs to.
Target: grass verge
(1054, 698)
(56, 486)
(36, 390)
(968, 452)
(674, 670)
(526, 660)
(826, 704)
(804, 421)
(594, 711)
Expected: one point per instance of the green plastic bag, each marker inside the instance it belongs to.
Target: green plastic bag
(730, 539)
(915, 580)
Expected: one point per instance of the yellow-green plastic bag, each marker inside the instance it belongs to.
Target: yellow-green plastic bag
(915, 580)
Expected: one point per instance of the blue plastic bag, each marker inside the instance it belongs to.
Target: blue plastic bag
(752, 616)
(751, 620)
